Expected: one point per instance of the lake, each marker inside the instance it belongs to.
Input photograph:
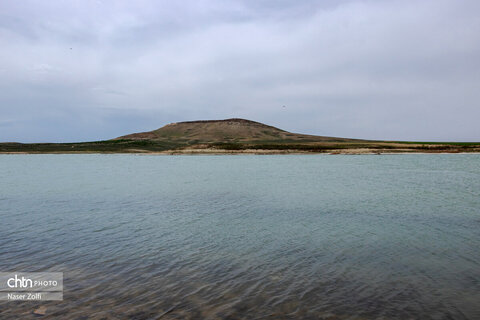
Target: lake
(245, 236)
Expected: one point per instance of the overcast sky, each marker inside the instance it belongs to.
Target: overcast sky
(90, 70)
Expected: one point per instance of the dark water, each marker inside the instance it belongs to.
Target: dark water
(245, 237)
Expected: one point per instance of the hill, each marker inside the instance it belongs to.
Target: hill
(232, 136)
(225, 131)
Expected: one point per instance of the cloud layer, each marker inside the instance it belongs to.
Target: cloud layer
(89, 70)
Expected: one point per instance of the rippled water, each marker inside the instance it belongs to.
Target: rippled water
(247, 237)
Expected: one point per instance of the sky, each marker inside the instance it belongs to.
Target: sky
(91, 69)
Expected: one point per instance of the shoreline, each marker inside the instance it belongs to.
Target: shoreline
(360, 151)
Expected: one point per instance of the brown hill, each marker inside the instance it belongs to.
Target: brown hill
(233, 136)
(225, 131)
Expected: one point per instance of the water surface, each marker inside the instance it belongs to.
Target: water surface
(246, 237)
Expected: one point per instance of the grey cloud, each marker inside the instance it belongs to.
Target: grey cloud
(403, 70)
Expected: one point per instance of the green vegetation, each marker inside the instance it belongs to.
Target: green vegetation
(107, 146)
(464, 144)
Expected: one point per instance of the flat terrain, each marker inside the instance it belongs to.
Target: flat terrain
(234, 136)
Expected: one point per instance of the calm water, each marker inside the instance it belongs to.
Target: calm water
(245, 237)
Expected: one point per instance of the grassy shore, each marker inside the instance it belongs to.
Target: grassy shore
(153, 146)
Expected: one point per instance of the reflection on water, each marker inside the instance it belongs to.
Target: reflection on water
(245, 237)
